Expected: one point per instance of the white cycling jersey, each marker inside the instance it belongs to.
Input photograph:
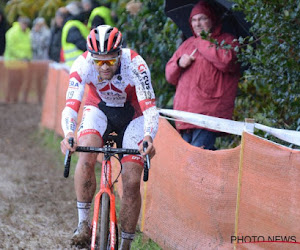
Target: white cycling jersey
(131, 83)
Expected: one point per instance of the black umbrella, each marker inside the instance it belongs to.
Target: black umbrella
(233, 21)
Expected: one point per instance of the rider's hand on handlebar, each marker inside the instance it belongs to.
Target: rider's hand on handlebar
(64, 144)
(150, 150)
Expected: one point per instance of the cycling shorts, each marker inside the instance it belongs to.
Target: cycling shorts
(94, 121)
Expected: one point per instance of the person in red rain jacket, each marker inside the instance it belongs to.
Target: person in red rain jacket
(206, 77)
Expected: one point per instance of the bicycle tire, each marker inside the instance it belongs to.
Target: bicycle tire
(104, 222)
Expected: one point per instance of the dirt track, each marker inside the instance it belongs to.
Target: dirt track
(37, 205)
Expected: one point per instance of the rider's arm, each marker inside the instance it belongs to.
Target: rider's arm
(145, 96)
(74, 96)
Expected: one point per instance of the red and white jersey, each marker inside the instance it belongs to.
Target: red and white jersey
(131, 83)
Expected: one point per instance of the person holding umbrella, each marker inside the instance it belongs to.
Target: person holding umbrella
(205, 75)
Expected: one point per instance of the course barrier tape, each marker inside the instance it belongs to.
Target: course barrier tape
(290, 136)
(230, 126)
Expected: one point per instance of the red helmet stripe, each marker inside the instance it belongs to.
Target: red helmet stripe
(118, 40)
(93, 36)
(89, 43)
(111, 38)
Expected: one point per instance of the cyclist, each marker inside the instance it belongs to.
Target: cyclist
(120, 99)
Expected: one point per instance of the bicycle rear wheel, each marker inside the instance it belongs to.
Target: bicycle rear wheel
(104, 222)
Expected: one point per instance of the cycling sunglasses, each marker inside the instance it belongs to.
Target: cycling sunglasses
(109, 62)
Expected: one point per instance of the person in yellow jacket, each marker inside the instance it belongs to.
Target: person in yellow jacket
(98, 15)
(74, 33)
(18, 53)
(100, 12)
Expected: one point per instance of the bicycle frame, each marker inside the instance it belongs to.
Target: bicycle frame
(105, 187)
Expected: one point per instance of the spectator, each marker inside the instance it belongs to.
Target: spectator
(206, 77)
(40, 41)
(3, 28)
(17, 55)
(74, 33)
(98, 15)
(133, 7)
(55, 40)
(88, 6)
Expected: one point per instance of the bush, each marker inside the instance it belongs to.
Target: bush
(269, 89)
(155, 38)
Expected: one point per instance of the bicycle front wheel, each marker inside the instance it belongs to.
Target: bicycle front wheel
(104, 222)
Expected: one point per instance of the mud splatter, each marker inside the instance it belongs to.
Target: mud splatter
(37, 205)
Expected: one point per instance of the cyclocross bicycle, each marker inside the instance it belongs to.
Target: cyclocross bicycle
(104, 203)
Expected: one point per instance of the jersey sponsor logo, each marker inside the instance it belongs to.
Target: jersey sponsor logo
(73, 84)
(149, 130)
(141, 68)
(70, 124)
(146, 104)
(82, 123)
(112, 96)
(146, 81)
(73, 104)
(87, 132)
(133, 158)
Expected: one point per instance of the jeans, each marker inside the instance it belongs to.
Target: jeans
(200, 138)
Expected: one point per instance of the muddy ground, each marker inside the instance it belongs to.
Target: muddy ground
(37, 204)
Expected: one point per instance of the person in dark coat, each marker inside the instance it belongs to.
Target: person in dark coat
(88, 6)
(55, 41)
(3, 29)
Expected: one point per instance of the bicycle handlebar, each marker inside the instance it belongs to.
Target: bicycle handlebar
(107, 150)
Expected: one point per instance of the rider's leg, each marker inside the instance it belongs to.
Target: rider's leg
(90, 133)
(84, 177)
(131, 177)
(85, 186)
(131, 202)
(203, 138)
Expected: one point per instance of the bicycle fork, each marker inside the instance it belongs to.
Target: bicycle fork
(105, 187)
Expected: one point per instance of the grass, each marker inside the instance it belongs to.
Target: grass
(142, 243)
(51, 142)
